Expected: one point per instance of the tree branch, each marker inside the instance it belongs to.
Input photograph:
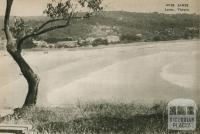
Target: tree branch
(6, 21)
(61, 19)
(40, 31)
(49, 21)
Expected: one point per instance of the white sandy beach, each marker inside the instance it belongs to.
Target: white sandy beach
(143, 72)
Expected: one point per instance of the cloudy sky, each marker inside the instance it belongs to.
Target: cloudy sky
(35, 7)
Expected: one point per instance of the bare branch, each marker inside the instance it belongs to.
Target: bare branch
(51, 29)
(42, 32)
(61, 11)
(39, 33)
(48, 22)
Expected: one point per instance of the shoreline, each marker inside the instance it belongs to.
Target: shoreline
(105, 46)
(60, 68)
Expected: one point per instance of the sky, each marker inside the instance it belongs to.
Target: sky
(36, 7)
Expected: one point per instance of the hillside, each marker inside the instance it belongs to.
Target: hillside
(152, 26)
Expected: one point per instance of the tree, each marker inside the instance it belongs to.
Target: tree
(60, 14)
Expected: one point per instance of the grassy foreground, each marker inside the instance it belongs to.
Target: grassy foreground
(96, 118)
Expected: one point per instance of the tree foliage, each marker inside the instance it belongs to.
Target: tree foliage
(62, 11)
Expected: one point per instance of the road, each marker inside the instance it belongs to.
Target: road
(137, 72)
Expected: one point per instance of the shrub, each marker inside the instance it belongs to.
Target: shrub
(157, 38)
(83, 43)
(96, 118)
(59, 46)
(55, 40)
(28, 44)
(191, 33)
(100, 41)
(129, 38)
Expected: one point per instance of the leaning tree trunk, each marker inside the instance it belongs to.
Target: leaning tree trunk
(12, 48)
(30, 76)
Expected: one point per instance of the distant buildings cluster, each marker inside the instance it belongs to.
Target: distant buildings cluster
(90, 41)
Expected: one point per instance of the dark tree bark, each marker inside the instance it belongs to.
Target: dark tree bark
(14, 49)
(28, 73)
(14, 46)
(30, 76)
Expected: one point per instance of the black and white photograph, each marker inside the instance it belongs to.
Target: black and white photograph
(99, 66)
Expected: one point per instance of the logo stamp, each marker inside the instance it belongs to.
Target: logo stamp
(182, 114)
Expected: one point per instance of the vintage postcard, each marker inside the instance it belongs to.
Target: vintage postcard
(100, 66)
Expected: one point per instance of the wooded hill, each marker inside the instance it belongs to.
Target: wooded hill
(126, 25)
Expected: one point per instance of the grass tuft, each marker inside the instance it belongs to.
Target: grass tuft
(96, 118)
